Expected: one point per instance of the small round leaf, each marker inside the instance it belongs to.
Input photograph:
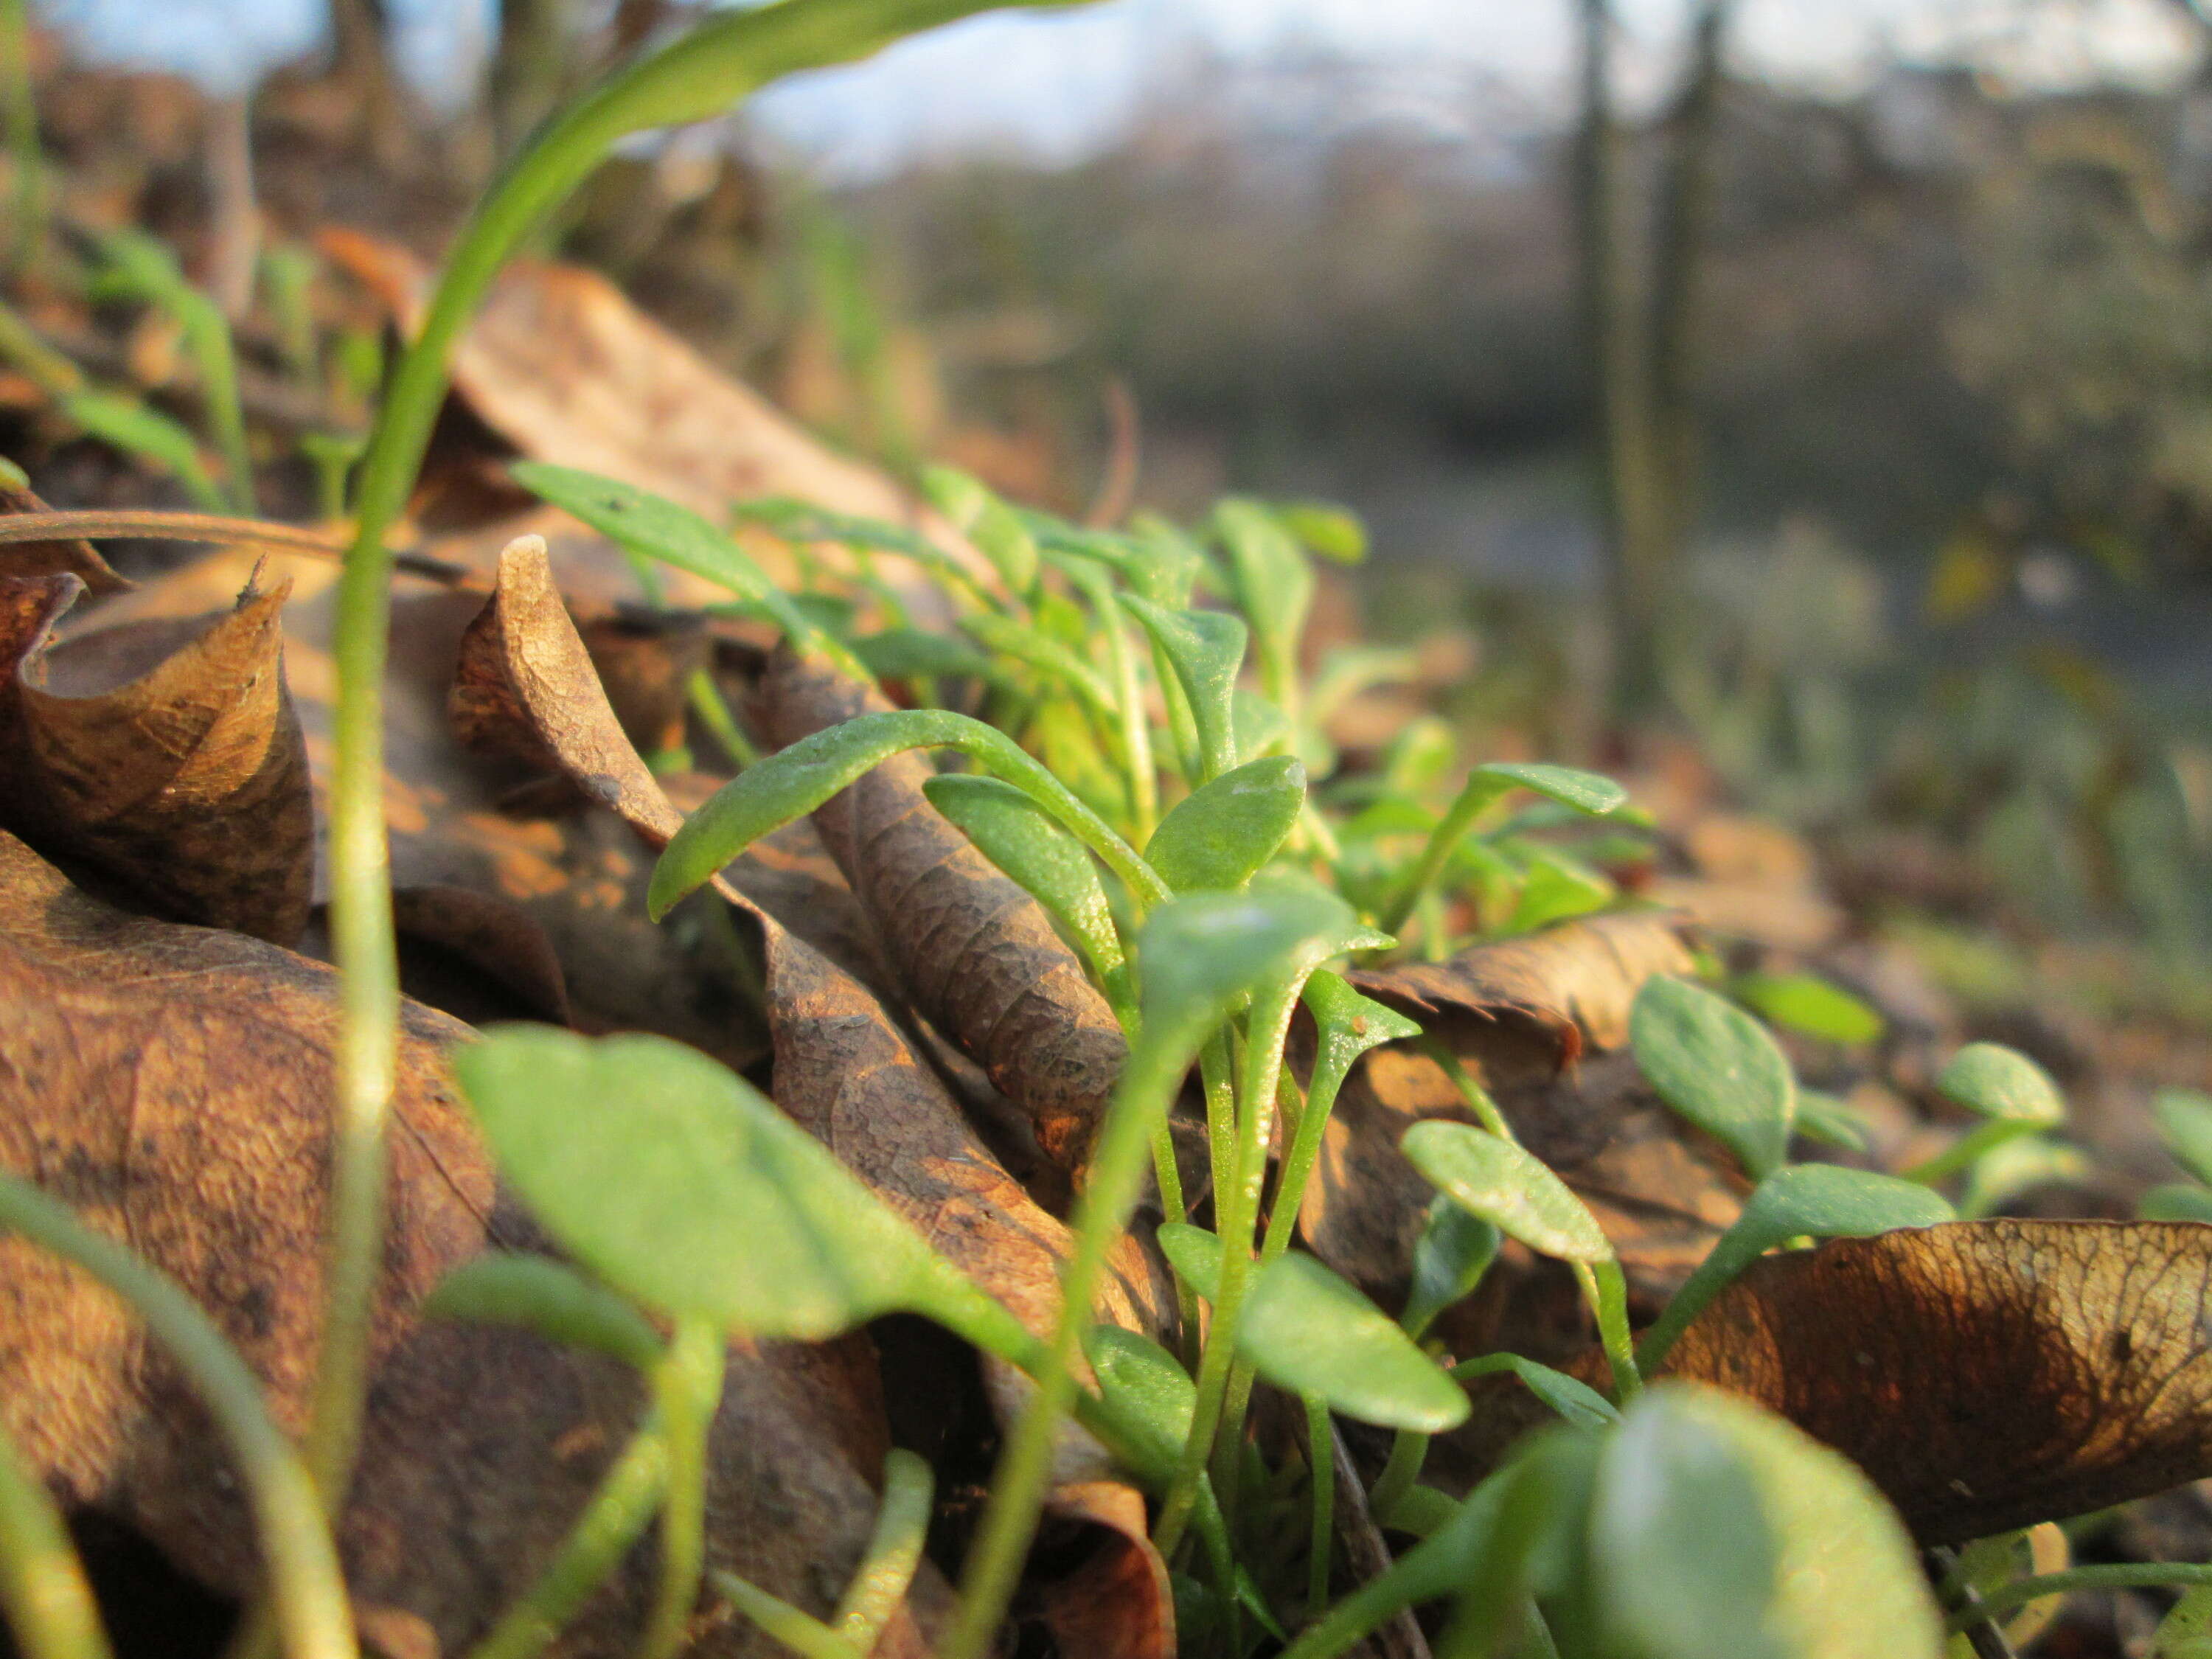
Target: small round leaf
(1307, 1330)
(2002, 1085)
(1717, 1066)
(1507, 1186)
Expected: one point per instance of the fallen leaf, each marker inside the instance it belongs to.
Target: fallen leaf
(71, 556)
(560, 363)
(173, 1084)
(977, 955)
(168, 757)
(492, 935)
(1986, 1374)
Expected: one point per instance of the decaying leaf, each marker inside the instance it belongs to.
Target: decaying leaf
(71, 557)
(173, 1084)
(166, 757)
(493, 936)
(1986, 1374)
(845, 1070)
(976, 954)
(560, 363)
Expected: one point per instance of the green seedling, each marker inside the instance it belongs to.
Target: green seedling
(1455, 1249)
(1274, 588)
(1307, 1331)
(1830, 1121)
(995, 528)
(1809, 1200)
(1574, 1400)
(1324, 528)
(1718, 1067)
(139, 267)
(537, 1293)
(1485, 787)
(2009, 1093)
(1202, 651)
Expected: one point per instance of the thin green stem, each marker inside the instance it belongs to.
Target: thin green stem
(699, 76)
(1432, 1568)
(1475, 797)
(2129, 1575)
(688, 1383)
(1148, 1080)
(1330, 1069)
(1139, 773)
(312, 1610)
(614, 1520)
(50, 1606)
(1476, 1096)
(894, 1552)
(1321, 1546)
(796, 1628)
(713, 712)
(1408, 1451)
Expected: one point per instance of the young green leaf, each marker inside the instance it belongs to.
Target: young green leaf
(1830, 1121)
(1024, 644)
(1717, 1527)
(674, 1181)
(1555, 887)
(1574, 1400)
(1333, 531)
(1147, 1393)
(1485, 785)
(1203, 649)
(2002, 1085)
(1015, 834)
(2019, 1165)
(1195, 1253)
(1199, 953)
(1306, 1330)
(1507, 1186)
(797, 779)
(908, 653)
(1259, 726)
(1217, 837)
(661, 529)
(2184, 1123)
(995, 528)
(1274, 588)
(1453, 1251)
(537, 1293)
(1807, 1003)
(1818, 1200)
(145, 432)
(1717, 1066)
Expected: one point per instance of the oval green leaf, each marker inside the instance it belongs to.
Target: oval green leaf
(676, 1183)
(1574, 1400)
(2003, 1085)
(1147, 1396)
(1718, 1067)
(1717, 1527)
(1586, 791)
(1809, 1004)
(1197, 955)
(1219, 836)
(2184, 1123)
(1307, 1330)
(1195, 1253)
(1453, 1251)
(1508, 1186)
(1817, 1200)
(1204, 650)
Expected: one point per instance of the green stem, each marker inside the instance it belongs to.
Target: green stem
(1321, 1453)
(2130, 1575)
(689, 1384)
(712, 712)
(1149, 1081)
(1476, 797)
(1476, 1096)
(794, 1627)
(1607, 1291)
(1408, 1451)
(1140, 775)
(893, 1553)
(310, 1593)
(700, 75)
(49, 1606)
(1432, 1568)
(1330, 1070)
(613, 1520)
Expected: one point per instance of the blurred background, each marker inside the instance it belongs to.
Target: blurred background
(1808, 401)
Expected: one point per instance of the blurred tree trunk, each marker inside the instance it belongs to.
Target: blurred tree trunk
(1639, 318)
(1630, 478)
(529, 67)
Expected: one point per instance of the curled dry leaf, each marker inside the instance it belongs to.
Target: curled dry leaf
(976, 954)
(173, 1084)
(1986, 1374)
(560, 363)
(166, 757)
(69, 557)
(845, 1070)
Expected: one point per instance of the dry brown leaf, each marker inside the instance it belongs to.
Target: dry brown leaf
(173, 1084)
(495, 937)
(72, 556)
(168, 756)
(560, 363)
(977, 956)
(1986, 1374)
